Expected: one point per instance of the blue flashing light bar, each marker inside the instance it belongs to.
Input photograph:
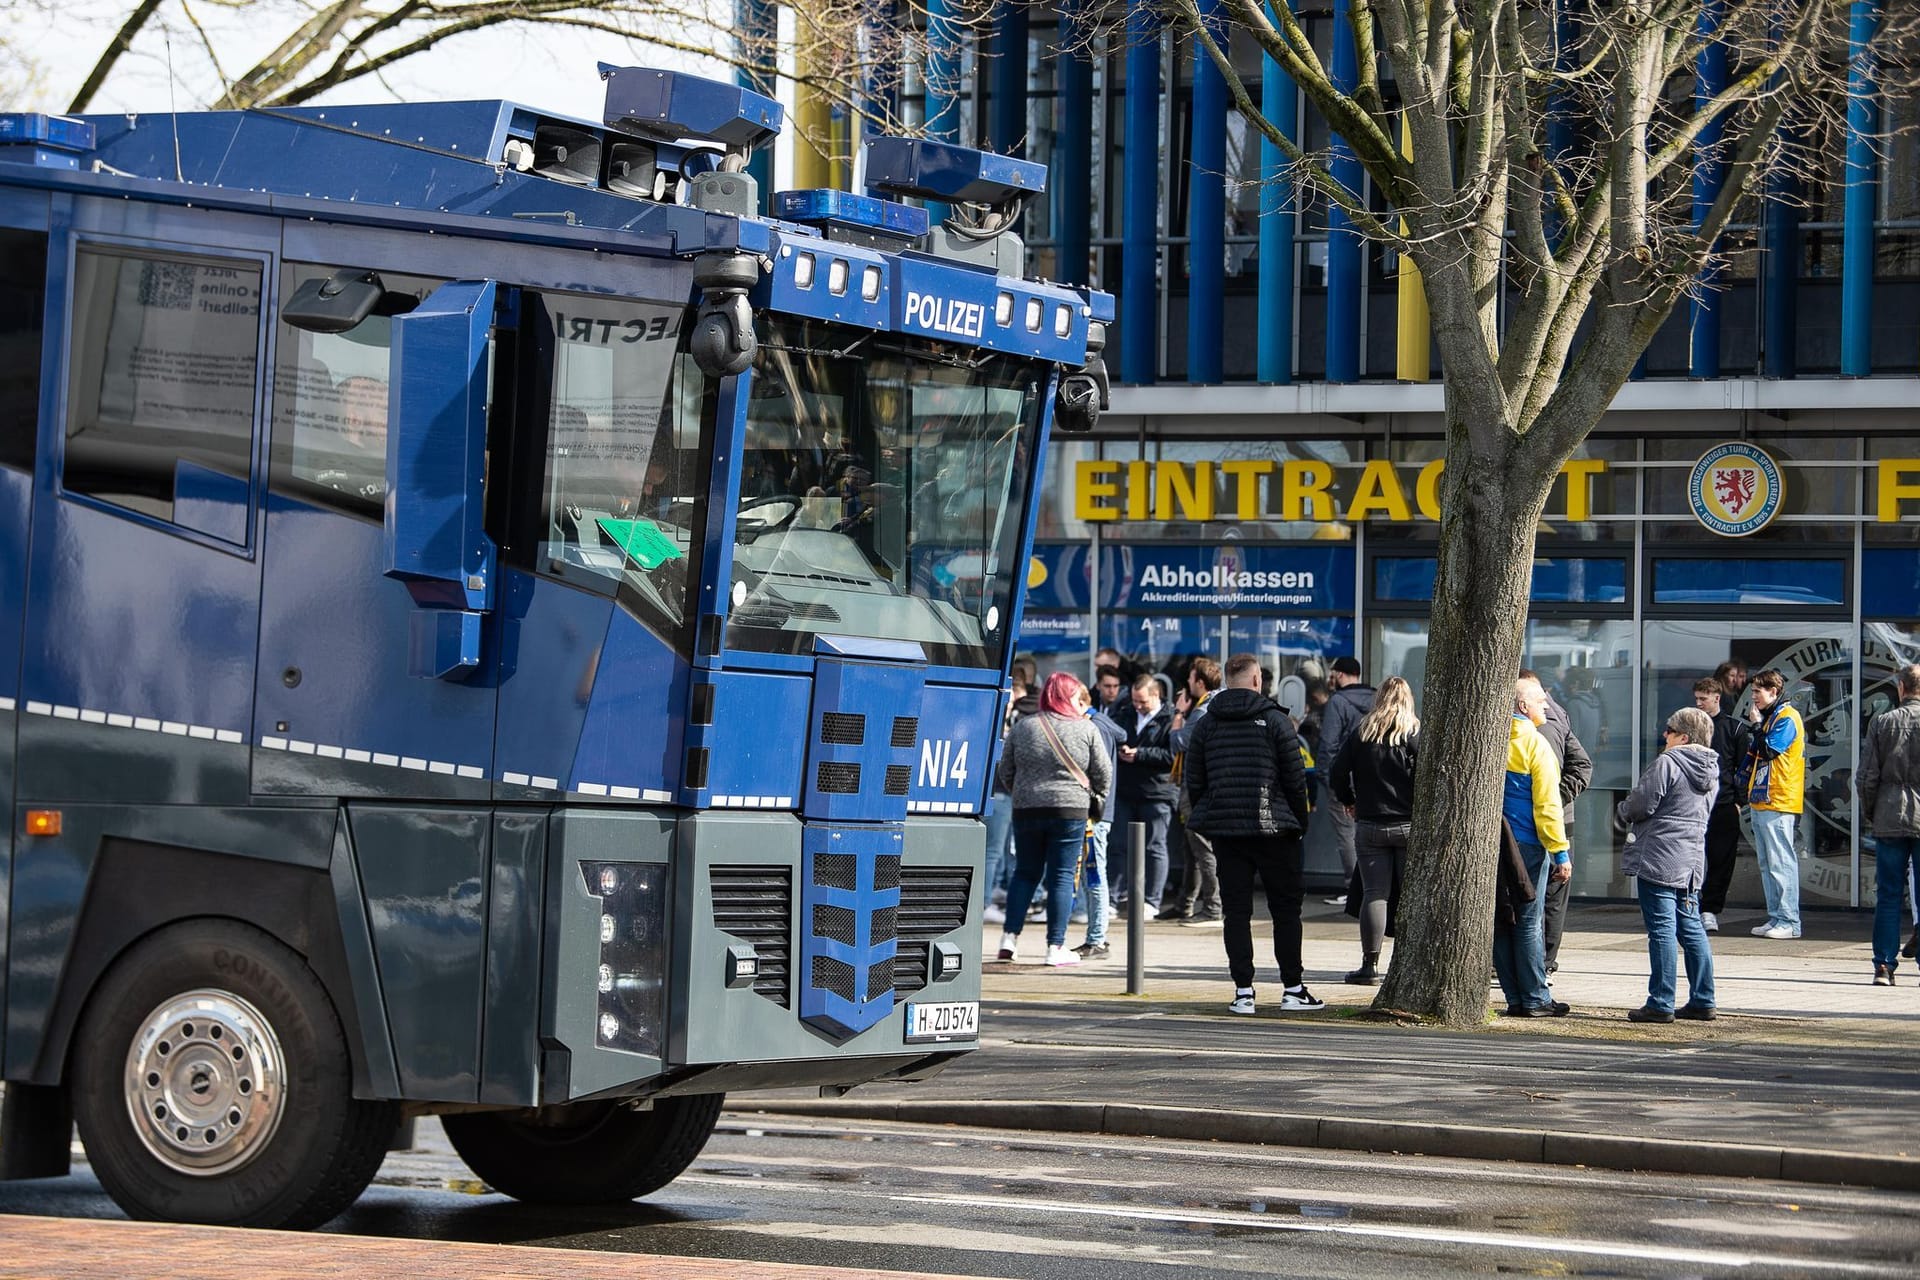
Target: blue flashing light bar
(927, 169)
(60, 132)
(822, 207)
(668, 106)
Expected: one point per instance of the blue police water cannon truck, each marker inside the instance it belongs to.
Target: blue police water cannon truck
(494, 623)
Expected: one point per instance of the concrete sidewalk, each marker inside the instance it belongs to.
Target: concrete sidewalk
(1807, 1075)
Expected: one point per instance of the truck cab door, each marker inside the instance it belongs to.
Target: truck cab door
(373, 681)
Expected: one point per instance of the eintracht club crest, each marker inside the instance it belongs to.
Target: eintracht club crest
(1735, 489)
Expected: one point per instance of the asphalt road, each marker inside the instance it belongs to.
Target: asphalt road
(1007, 1204)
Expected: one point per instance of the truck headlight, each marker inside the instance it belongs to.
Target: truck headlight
(630, 982)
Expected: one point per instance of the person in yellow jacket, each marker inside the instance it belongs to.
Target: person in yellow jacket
(1772, 781)
(1531, 805)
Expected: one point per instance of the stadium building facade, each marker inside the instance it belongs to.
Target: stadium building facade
(1267, 480)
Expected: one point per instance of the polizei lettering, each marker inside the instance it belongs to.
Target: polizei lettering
(946, 315)
(1221, 578)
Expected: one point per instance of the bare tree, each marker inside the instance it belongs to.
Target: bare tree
(1535, 162)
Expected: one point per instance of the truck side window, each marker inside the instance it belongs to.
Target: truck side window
(23, 289)
(330, 400)
(623, 491)
(162, 386)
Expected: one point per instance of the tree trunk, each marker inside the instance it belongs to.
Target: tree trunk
(1444, 931)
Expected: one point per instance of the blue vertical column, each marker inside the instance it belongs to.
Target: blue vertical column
(1709, 173)
(1140, 198)
(1207, 207)
(756, 24)
(1073, 152)
(1780, 224)
(1344, 245)
(946, 37)
(1856, 262)
(1280, 103)
(1007, 80)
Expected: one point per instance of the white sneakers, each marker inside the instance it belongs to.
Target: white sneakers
(1056, 956)
(1297, 998)
(1242, 1001)
(993, 914)
(1776, 931)
(1710, 922)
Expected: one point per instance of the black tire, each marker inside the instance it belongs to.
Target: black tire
(586, 1152)
(291, 1152)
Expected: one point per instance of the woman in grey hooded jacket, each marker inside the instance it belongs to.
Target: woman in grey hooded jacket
(1666, 813)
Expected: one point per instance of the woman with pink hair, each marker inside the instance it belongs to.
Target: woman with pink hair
(1055, 769)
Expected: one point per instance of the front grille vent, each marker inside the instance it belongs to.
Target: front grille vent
(906, 732)
(837, 778)
(879, 979)
(836, 871)
(834, 976)
(835, 924)
(886, 872)
(933, 903)
(842, 729)
(899, 779)
(755, 905)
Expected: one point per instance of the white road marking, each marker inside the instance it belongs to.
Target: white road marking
(1744, 1191)
(1403, 1232)
(922, 1235)
(1778, 1230)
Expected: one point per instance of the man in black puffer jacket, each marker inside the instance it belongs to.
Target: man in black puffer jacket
(1249, 791)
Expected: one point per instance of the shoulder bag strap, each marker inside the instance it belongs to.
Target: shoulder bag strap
(1060, 754)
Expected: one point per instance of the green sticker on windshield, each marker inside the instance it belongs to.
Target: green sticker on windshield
(643, 542)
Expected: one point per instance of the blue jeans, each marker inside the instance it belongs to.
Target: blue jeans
(1044, 848)
(1892, 856)
(1094, 894)
(1674, 915)
(1520, 953)
(1779, 861)
(999, 835)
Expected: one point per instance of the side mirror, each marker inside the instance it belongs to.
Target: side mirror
(335, 304)
(436, 543)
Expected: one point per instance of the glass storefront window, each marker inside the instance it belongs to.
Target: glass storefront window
(1055, 518)
(1817, 661)
(1588, 668)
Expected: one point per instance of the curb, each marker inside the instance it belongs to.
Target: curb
(1263, 1128)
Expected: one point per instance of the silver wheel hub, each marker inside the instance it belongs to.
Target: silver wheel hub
(205, 1082)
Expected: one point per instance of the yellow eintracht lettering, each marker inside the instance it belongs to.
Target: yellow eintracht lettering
(1303, 490)
(1246, 473)
(1426, 489)
(1379, 490)
(1580, 473)
(1089, 490)
(1894, 488)
(1193, 491)
(1138, 490)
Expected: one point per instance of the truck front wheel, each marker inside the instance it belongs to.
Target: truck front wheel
(585, 1152)
(212, 1084)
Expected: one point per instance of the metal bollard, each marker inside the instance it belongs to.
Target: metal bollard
(1136, 908)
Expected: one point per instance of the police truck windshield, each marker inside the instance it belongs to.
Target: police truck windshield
(881, 494)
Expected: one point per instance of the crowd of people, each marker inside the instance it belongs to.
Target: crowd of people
(1220, 772)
